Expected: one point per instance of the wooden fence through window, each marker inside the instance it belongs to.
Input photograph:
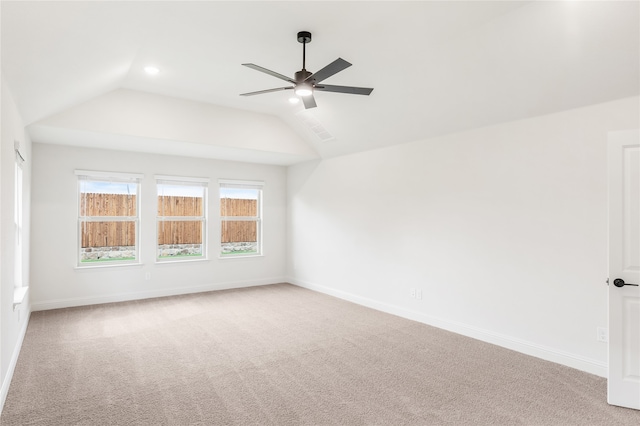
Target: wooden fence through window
(113, 234)
(236, 231)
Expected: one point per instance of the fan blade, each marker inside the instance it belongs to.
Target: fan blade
(331, 69)
(259, 92)
(308, 101)
(273, 73)
(344, 89)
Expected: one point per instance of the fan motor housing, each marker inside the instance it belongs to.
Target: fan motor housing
(302, 75)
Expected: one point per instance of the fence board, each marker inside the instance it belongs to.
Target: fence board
(92, 204)
(238, 207)
(108, 234)
(179, 206)
(179, 232)
(239, 232)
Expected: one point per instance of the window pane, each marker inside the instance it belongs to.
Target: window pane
(180, 232)
(173, 205)
(180, 200)
(180, 238)
(239, 237)
(105, 241)
(239, 202)
(101, 198)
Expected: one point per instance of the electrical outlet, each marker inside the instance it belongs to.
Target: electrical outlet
(419, 294)
(413, 293)
(147, 275)
(603, 334)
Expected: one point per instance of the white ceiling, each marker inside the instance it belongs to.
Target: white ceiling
(436, 68)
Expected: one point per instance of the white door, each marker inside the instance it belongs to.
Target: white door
(624, 269)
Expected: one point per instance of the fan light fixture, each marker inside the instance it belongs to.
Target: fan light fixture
(304, 89)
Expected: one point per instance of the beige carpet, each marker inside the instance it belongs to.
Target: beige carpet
(282, 355)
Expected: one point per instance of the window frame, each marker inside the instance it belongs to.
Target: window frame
(109, 177)
(184, 181)
(259, 218)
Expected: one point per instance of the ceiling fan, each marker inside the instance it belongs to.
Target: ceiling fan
(306, 82)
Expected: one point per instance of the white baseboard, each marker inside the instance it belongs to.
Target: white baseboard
(544, 352)
(124, 297)
(6, 381)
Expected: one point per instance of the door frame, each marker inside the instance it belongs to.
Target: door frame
(623, 303)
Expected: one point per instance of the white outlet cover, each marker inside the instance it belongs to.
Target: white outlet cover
(602, 334)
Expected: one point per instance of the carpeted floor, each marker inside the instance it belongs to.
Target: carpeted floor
(282, 355)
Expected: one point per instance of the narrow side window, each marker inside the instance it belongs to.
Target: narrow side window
(18, 220)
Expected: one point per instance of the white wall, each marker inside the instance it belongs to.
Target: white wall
(130, 120)
(13, 322)
(504, 229)
(56, 282)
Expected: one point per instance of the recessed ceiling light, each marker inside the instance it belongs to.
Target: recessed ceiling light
(294, 100)
(151, 70)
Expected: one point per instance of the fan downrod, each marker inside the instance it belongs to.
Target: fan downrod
(304, 37)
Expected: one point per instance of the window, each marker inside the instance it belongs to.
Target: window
(241, 218)
(182, 218)
(18, 219)
(108, 218)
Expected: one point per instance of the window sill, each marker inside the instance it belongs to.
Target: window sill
(172, 261)
(19, 294)
(100, 266)
(240, 256)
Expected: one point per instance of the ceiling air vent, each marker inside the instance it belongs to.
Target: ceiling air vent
(314, 126)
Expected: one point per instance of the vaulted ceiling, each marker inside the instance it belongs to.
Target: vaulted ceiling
(75, 69)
